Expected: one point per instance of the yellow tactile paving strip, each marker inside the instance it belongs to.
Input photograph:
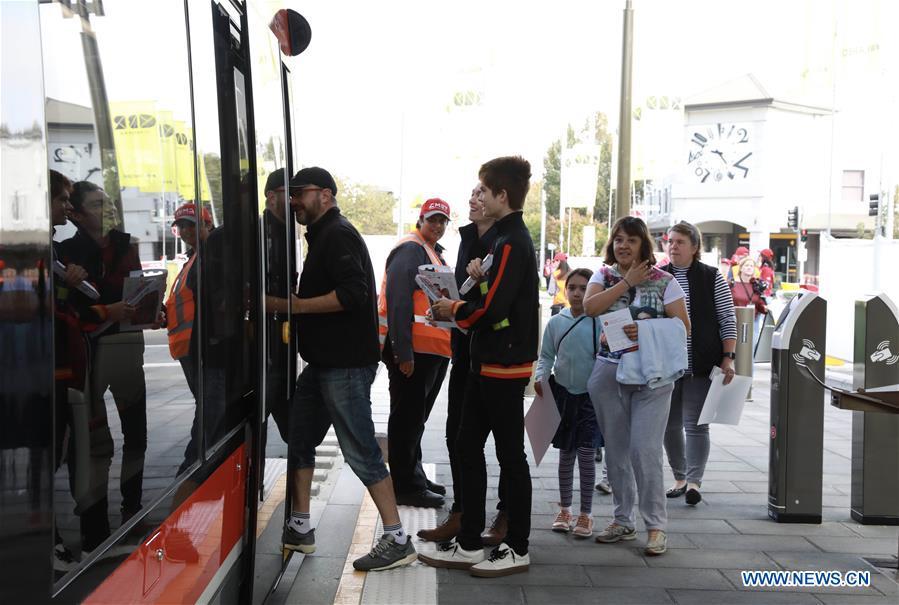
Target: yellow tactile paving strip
(349, 592)
(271, 503)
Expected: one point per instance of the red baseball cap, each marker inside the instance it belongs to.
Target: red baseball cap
(560, 256)
(433, 206)
(188, 212)
(741, 251)
(767, 253)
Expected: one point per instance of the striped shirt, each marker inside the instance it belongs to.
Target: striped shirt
(724, 309)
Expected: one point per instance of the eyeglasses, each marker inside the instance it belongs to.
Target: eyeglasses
(299, 191)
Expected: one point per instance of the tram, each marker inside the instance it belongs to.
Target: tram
(128, 474)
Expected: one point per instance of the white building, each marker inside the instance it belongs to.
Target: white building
(748, 158)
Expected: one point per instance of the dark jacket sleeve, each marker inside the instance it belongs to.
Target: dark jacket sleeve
(402, 267)
(504, 281)
(346, 269)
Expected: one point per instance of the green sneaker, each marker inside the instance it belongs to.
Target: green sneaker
(294, 540)
(386, 554)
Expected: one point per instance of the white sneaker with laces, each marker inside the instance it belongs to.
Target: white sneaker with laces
(450, 555)
(503, 561)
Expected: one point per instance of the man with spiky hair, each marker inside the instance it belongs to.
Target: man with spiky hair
(504, 325)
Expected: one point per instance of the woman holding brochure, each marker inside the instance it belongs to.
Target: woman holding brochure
(570, 343)
(633, 416)
(712, 341)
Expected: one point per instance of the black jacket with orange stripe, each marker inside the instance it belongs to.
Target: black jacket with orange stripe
(504, 323)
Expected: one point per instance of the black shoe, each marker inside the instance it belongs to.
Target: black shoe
(423, 499)
(294, 540)
(693, 497)
(676, 492)
(437, 488)
(599, 454)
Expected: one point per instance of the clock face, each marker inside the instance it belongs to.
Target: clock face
(720, 152)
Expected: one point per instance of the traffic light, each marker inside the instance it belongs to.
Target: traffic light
(793, 217)
(874, 205)
(803, 235)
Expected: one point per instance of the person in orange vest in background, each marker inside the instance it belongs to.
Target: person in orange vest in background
(557, 288)
(416, 354)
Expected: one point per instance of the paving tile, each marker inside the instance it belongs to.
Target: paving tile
(769, 527)
(864, 546)
(713, 558)
(873, 531)
(841, 599)
(754, 543)
(704, 579)
(733, 575)
(538, 575)
(716, 597)
(589, 553)
(555, 595)
(453, 594)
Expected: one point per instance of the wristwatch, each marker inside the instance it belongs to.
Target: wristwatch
(730, 355)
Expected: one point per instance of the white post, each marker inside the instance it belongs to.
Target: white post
(542, 229)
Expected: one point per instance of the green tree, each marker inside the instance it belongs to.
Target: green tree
(552, 165)
(370, 209)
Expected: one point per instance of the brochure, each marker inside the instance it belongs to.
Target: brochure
(541, 422)
(145, 291)
(613, 326)
(724, 403)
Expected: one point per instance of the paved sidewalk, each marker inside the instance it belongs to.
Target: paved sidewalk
(728, 532)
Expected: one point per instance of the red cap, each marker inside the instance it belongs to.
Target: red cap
(433, 206)
(188, 212)
(741, 251)
(767, 253)
(560, 256)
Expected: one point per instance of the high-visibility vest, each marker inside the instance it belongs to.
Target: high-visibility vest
(561, 296)
(180, 312)
(425, 339)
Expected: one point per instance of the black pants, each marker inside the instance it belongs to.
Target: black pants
(458, 379)
(494, 405)
(411, 401)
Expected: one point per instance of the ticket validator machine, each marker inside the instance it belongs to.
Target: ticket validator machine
(875, 435)
(797, 411)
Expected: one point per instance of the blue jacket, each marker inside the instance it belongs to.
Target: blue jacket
(661, 357)
(572, 362)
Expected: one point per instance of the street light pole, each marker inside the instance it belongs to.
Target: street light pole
(623, 193)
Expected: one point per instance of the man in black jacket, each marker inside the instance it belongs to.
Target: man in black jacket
(504, 327)
(337, 330)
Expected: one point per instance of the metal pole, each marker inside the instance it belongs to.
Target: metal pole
(743, 350)
(568, 247)
(542, 229)
(623, 195)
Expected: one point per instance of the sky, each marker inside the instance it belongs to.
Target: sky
(373, 88)
(374, 92)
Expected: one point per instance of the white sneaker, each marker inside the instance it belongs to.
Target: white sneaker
(451, 556)
(503, 561)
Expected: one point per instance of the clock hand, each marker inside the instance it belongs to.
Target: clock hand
(720, 155)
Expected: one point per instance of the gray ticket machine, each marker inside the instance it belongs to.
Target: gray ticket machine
(797, 411)
(875, 435)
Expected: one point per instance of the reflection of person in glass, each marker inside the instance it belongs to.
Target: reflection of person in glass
(278, 286)
(109, 255)
(183, 342)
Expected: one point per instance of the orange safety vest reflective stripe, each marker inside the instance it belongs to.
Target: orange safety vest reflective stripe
(425, 339)
(180, 311)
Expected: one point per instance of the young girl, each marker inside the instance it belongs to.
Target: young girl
(569, 347)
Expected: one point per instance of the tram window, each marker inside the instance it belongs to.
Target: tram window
(119, 120)
(278, 275)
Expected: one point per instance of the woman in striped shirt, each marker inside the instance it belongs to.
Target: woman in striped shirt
(711, 342)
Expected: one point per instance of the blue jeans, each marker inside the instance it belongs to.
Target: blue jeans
(342, 397)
